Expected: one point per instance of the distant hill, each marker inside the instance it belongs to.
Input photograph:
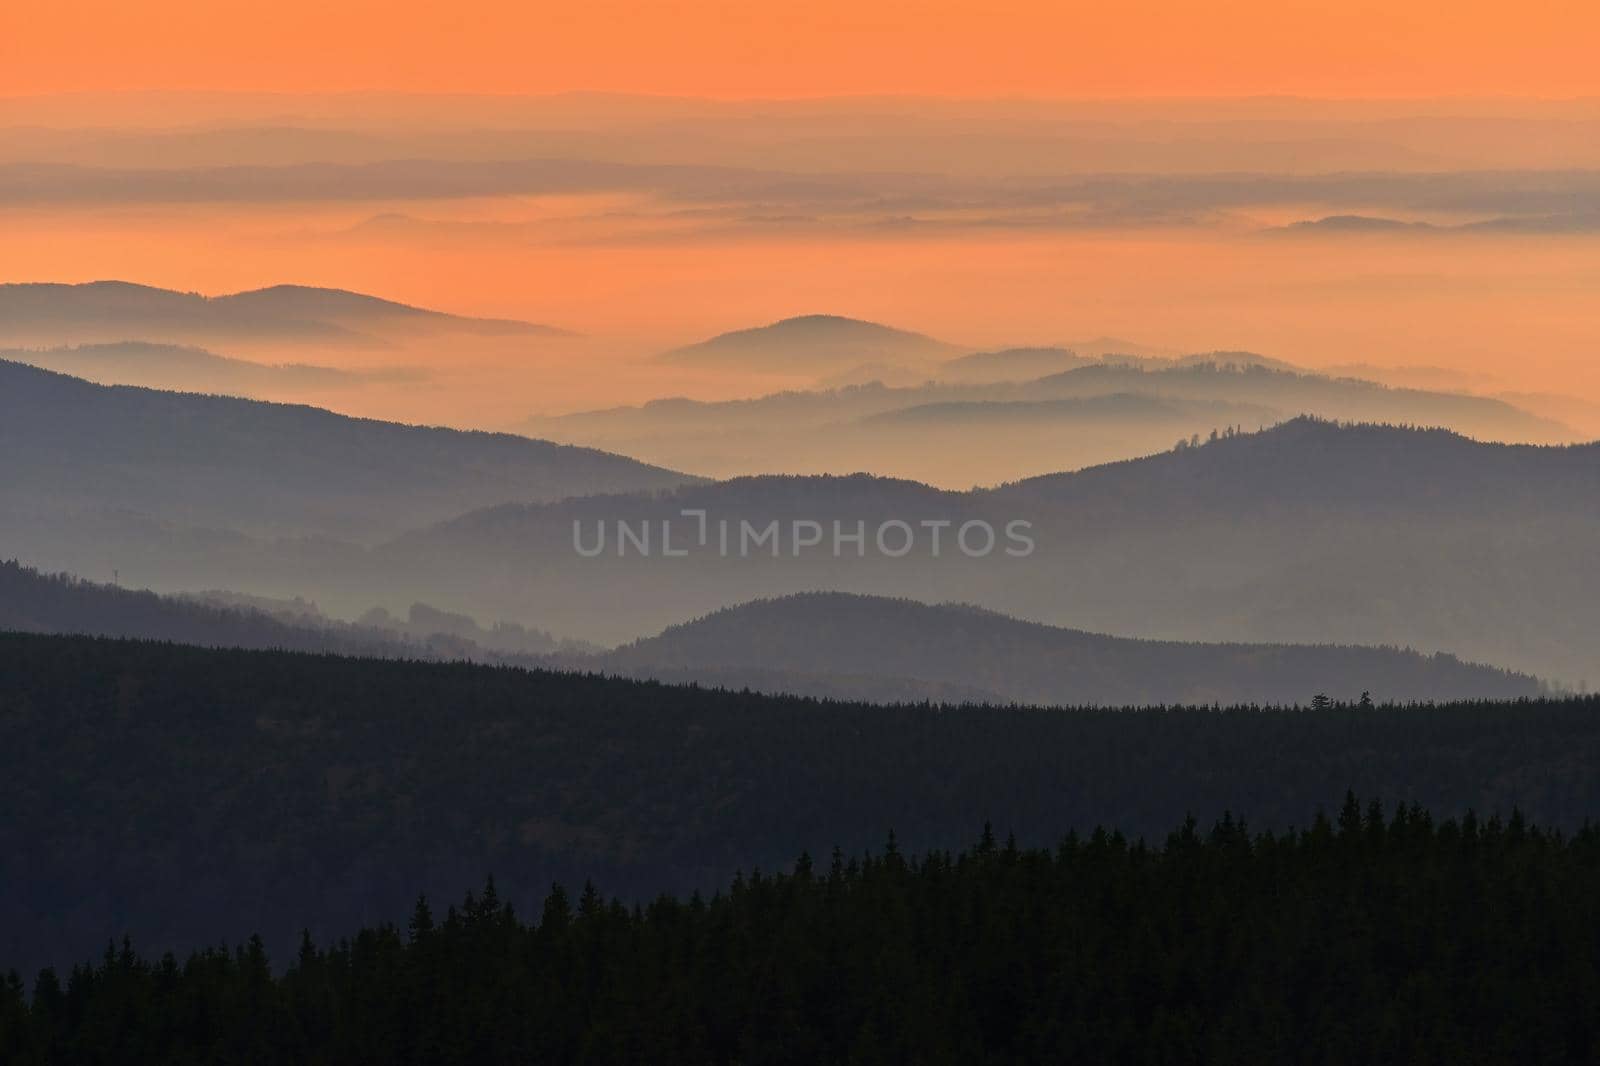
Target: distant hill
(943, 432)
(1310, 462)
(1010, 364)
(35, 602)
(1355, 224)
(1102, 347)
(1311, 532)
(268, 468)
(356, 309)
(1030, 364)
(40, 313)
(1122, 407)
(1230, 359)
(32, 602)
(812, 345)
(875, 641)
(174, 366)
(832, 645)
(1243, 377)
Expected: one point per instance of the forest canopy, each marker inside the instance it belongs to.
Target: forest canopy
(1374, 937)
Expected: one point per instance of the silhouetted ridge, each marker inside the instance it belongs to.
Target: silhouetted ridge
(109, 311)
(1314, 460)
(341, 305)
(184, 795)
(785, 641)
(255, 466)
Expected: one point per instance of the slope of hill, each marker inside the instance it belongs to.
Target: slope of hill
(1309, 461)
(31, 602)
(42, 313)
(174, 366)
(1117, 408)
(1311, 533)
(830, 645)
(35, 602)
(1119, 347)
(822, 634)
(268, 468)
(1010, 364)
(1059, 421)
(357, 310)
(1244, 378)
(810, 345)
(181, 795)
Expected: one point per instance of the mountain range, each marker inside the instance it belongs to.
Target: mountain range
(271, 469)
(961, 432)
(1308, 532)
(35, 602)
(47, 314)
(184, 368)
(829, 645)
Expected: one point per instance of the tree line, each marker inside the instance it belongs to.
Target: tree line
(183, 795)
(1367, 937)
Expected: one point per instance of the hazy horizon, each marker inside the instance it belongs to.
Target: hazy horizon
(1464, 233)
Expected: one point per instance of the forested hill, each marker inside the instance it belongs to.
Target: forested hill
(182, 794)
(1313, 464)
(784, 642)
(1309, 533)
(1377, 938)
(32, 602)
(268, 468)
(829, 645)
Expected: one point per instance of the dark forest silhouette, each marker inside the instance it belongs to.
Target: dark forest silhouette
(183, 795)
(1374, 937)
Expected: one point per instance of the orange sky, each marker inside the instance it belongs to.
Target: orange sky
(669, 264)
(815, 47)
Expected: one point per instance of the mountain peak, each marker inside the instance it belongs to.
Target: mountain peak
(812, 343)
(825, 321)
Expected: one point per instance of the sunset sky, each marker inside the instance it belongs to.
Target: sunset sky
(818, 47)
(648, 174)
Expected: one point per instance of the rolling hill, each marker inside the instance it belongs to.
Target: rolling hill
(48, 314)
(32, 602)
(828, 645)
(358, 310)
(1311, 532)
(812, 345)
(267, 469)
(792, 643)
(189, 369)
(1010, 364)
(964, 433)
